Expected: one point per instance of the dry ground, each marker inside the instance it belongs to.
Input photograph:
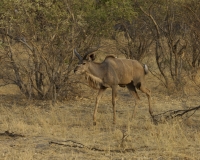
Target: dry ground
(37, 130)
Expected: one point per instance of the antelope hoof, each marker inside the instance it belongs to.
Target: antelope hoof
(94, 123)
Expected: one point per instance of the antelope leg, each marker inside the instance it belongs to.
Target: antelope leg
(134, 93)
(114, 95)
(99, 96)
(148, 93)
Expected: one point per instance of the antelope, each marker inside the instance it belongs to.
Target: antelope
(109, 74)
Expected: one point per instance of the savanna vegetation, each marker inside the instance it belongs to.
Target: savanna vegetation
(46, 111)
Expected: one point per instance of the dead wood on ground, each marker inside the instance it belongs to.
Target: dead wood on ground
(171, 114)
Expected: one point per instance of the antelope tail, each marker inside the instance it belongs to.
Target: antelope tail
(146, 70)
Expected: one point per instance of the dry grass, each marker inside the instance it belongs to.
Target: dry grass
(70, 124)
(72, 120)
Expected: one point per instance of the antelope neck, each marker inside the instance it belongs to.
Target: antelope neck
(96, 69)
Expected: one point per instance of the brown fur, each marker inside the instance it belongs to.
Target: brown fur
(111, 55)
(113, 72)
(93, 81)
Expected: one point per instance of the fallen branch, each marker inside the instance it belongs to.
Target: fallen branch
(74, 144)
(11, 134)
(174, 113)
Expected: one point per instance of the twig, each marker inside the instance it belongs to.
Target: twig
(11, 134)
(74, 144)
(175, 113)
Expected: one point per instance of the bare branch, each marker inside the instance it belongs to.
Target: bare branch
(174, 113)
(74, 144)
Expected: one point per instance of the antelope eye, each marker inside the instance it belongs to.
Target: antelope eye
(83, 63)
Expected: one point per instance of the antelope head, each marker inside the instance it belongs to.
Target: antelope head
(84, 62)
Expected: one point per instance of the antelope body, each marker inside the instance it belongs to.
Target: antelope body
(111, 73)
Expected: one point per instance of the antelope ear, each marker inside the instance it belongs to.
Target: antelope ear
(91, 57)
